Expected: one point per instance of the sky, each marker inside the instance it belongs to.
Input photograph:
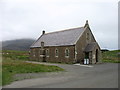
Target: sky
(28, 18)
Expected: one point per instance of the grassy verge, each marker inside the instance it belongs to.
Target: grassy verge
(111, 56)
(12, 67)
(13, 62)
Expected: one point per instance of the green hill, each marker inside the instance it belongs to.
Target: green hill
(18, 44)
(111, 56)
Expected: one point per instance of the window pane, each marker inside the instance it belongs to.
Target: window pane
(47, 52)
(66, 52)
(56, 52)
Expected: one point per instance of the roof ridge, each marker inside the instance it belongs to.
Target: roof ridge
(62, 30)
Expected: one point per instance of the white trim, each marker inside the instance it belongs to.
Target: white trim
(47, 56)
(75, 53)
(66, 56)
(56, 56)
(42, 55)
(47, 52)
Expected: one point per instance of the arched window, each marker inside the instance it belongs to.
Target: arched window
(67, 52)
(87, 36)
(56, 52)
(47, 52)
(33, 52)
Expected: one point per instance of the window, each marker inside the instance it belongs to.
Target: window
(39, 51)
(87, 36)
(33, 55)
(56, 52)
(67, 52)
(47, 52)
(30, 52)
(33, 52)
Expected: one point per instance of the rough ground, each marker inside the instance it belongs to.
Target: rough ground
(76, 76)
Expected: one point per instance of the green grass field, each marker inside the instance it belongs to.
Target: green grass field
(15, 55)
(111, 56)
(14, 63)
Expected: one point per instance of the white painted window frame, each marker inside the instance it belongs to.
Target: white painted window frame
(56, 55)
(47, 52)
(68, 53)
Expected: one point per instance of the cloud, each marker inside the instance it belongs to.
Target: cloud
(27, 18)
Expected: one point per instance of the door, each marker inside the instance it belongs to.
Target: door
(96, 55)
(86, 60)
(87, 55)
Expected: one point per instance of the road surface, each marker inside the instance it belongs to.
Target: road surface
(76, 76)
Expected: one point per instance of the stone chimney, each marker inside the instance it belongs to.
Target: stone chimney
(43, 32)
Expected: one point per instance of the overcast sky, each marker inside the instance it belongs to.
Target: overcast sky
(27, 18)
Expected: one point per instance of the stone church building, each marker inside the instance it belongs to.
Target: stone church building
(73, 45)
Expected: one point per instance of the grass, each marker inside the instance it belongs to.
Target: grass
(12, 65)
(16, 55)
(111, 56)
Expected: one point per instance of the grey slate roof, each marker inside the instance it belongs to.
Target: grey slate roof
(90, 47)
(60, 38)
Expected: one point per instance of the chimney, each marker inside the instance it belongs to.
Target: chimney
(42, 44)
(86, 24)
(43, 32)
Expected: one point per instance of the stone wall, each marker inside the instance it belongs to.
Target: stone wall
(82, 43)
(35, 54)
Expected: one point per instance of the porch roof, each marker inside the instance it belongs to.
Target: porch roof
(90, 47)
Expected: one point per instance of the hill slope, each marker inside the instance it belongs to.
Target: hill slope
(19, 44)
(111, 56)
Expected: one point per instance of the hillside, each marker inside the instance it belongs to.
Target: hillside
(111, 56)
(18, 44)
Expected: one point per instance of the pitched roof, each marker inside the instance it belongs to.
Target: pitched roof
(60, 38)
(90, 47)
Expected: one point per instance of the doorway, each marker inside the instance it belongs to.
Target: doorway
(96, 55)
(87, 55)
(86, 59)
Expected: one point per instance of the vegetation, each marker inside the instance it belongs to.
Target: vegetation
(111, 56)
(14, 63)
(15, 55)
